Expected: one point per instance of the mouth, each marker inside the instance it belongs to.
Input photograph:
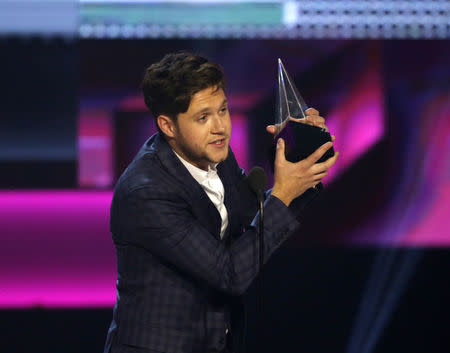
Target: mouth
(218, 143)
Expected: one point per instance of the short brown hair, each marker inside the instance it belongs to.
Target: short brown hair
(169, 84)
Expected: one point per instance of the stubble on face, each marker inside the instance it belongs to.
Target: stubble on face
(202, 133)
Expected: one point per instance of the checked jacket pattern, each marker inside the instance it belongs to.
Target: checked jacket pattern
(179, 285)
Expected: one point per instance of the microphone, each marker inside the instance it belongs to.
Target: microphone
(257, 180)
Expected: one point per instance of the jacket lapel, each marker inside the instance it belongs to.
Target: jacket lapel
(203, 208)
(230, 197)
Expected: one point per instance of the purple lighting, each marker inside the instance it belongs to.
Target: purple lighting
(56, 249)
(239, 140)
(357, 122)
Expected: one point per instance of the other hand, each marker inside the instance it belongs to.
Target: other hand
(293, 179)
(312, 118)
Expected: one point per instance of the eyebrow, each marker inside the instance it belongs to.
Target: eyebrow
(204, 110)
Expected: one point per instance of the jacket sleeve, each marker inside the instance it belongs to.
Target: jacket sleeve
(167, 229)
(302, 202)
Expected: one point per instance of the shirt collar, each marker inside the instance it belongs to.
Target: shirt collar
(198, 173)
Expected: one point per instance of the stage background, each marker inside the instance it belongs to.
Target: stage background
(373, 277)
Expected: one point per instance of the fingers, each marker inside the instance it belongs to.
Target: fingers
(270, 129)
(316, 121)
(318, 153)
(279, 154)
(324, 166)
(320, 176)
(311, 111)
(313, 118)
(321, 173)
(301, 120)
(320, 170)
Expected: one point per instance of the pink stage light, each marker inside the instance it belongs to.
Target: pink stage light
(239, 140)
(358, 121)
(56, 249)
(95, 145)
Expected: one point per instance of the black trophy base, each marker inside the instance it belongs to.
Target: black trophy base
(301, 140)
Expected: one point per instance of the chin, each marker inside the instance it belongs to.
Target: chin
(225, 155)
(221, 158)
(216, 156)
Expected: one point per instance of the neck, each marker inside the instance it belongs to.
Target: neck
(172, 143)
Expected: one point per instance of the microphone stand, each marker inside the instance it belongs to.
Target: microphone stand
(257, 182)
(261, 263)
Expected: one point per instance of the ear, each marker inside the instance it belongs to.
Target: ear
(167, 125)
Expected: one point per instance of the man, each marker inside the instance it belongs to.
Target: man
(178, 218)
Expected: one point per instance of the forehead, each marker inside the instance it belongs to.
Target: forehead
(207, 98)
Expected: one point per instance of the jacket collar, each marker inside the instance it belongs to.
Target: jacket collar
(198, 198)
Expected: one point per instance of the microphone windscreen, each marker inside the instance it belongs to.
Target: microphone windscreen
(257, 180)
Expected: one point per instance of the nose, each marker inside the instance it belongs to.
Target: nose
(218, 126)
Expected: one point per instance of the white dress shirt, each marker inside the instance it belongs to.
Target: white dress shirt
(210, 182)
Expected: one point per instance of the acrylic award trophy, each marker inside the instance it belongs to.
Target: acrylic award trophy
(300, 138)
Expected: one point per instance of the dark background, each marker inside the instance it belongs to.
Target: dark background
(310, 301)
(316, 285)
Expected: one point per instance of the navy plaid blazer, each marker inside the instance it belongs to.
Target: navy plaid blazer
(179, 285)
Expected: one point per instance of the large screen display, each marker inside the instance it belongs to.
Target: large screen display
(263, 19)
(226, 18)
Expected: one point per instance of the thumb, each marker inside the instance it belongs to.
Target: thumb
(279, 155)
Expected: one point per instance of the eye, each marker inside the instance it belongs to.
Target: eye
(202, 118)
(224, 110)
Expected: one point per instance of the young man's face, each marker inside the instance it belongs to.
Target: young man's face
(202, 134)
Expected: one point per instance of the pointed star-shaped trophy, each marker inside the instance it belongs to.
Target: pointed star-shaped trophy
(301, 139)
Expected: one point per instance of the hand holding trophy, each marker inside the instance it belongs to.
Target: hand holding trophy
(304, 151)
(302, 129)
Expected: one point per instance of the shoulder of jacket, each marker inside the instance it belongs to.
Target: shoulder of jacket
(144, 175)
